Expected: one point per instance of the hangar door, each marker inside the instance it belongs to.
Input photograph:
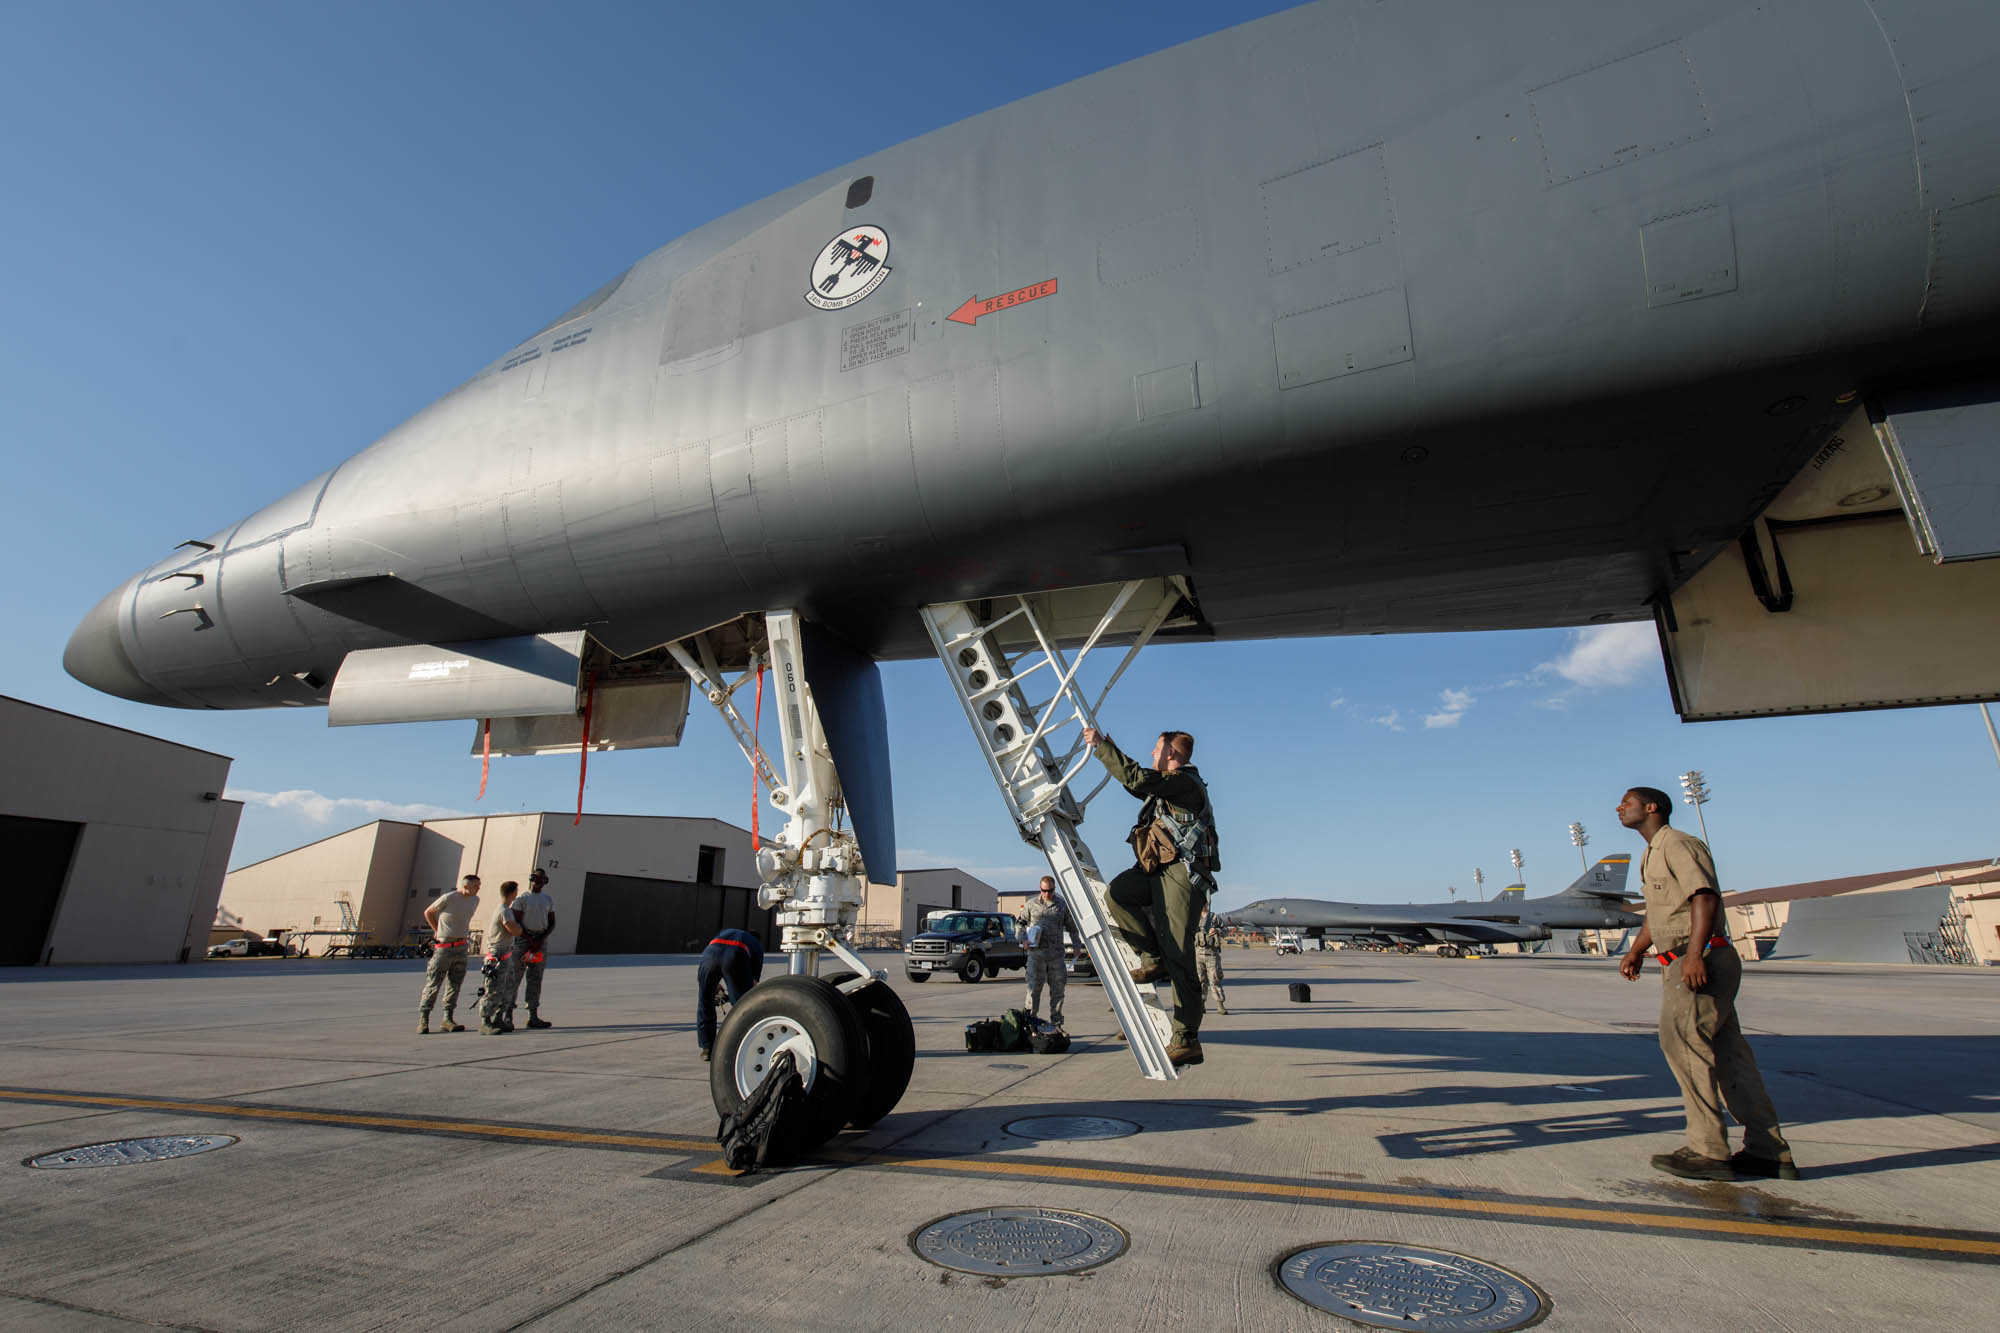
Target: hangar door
(631, 914)
(38, 855)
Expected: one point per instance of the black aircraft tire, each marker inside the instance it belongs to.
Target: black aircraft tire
(892, 1048)
(788, 1009)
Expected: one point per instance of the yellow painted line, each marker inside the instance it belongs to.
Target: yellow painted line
(362, 1120)
(1496, 1208)
(1696, 1224)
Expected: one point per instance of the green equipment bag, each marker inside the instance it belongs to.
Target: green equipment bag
(1048, 1041)
(1017, 1026)
(984, 1035)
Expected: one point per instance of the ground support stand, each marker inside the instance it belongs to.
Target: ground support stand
(992, 650)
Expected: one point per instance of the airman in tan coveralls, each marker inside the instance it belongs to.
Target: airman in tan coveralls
(1699, 1032)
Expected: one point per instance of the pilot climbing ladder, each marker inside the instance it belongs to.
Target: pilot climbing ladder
(997, 651)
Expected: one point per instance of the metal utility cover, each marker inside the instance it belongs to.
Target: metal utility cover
(1344, 338)
(130, 1152)
(1071, 1128)
(1398, 1286)
(1019, 1242)
(1688, 255)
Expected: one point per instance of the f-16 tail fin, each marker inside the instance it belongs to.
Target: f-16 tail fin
(1605, 880)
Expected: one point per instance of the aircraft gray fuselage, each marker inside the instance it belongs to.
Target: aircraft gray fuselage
(1361, 319)
(1594, 902)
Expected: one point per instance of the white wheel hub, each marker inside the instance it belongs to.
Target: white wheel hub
(761, 1045)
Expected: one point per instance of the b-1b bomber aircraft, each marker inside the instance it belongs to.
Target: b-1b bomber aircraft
(1361, 318)
(1595, 901)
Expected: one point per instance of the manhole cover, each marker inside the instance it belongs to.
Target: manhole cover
(1397, 1286)
(1019, 1242)
(130, 1152)
(1069, 1128)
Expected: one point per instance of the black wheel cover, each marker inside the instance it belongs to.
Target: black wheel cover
(892, 1048)
(839, 1040)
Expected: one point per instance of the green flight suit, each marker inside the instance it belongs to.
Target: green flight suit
(1169, 893)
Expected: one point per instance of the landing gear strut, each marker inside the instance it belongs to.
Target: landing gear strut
(848, 1032)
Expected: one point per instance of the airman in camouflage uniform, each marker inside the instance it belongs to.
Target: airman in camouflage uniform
(1208, 961)
(450, 920)
(536, 912)
(503, 938)
(1045, 915)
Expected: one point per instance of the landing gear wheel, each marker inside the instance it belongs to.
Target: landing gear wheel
(973, 969)
(824, 1033)
(892, 1048)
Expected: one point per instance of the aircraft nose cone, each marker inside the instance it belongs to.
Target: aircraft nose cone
(96, 655)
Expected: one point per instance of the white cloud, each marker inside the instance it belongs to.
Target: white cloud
(318, 809)
(1607, 655)
(1454, 703)
(1392, 719)
(1338, 702)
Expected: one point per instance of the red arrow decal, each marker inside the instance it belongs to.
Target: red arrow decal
(973, 308)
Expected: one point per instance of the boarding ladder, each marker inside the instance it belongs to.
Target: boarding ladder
(1020, 741)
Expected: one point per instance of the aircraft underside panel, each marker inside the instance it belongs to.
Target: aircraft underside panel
(529, 694)
(1941, 448)
(1841, 616)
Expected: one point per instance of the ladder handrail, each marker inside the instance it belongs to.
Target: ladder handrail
(1043, 808)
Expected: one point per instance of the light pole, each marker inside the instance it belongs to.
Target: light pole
(1581, 840)
(1514, 855)
(1478, 879)
(1697, 796)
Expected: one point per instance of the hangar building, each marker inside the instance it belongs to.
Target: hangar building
(621, 883)
(116, 841)
(1858, 930)
(891, 915)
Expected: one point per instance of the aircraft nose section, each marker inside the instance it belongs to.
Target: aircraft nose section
(96, 654)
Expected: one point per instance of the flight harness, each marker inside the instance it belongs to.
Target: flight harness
(1192, 832)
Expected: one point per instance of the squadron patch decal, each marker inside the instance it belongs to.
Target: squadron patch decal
(851, 266)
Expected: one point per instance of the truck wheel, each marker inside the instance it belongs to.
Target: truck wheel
(892, 1048)
(825, 1035)
(918, 976)
(973, 969)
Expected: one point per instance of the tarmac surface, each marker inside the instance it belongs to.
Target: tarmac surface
(1502, 1109)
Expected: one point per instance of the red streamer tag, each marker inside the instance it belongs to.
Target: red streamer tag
(756, 748)
(485, 755)
(583, 754)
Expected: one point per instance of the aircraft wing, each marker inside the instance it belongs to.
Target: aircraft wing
(1459, 931)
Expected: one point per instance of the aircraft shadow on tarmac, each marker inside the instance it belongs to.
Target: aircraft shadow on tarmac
(1813, 1079)
(1948, 1074)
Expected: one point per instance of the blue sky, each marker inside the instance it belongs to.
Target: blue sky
(244, 241)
